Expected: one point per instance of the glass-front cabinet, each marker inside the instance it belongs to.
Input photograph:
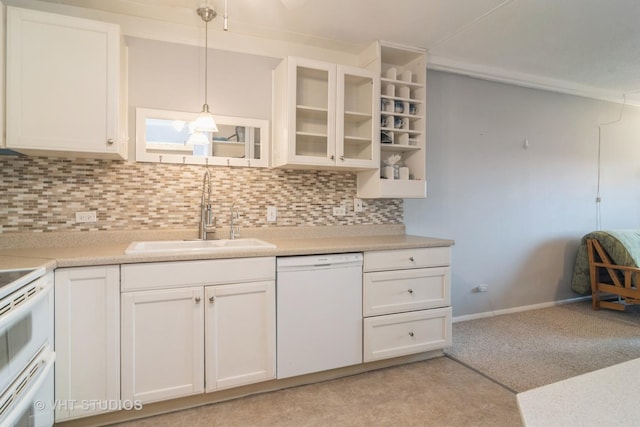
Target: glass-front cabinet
(325, 116)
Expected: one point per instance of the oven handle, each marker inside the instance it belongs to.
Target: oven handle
(30, 302)
(27, 399)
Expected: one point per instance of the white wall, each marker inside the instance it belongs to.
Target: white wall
(170, 76)
(517, 214)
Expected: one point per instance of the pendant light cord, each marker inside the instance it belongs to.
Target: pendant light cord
(207, 14)
(206, 61)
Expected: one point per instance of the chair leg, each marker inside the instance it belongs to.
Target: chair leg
(593, 273)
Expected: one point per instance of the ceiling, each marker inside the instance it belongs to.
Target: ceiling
(584, 47)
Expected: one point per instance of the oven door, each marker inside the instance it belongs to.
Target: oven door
(26, 318)
(28, 401)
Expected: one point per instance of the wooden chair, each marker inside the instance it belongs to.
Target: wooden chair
(620, 281)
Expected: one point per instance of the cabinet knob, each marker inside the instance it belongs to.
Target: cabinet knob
(110, 141)
(410, 334)
(197, 299)
(342, 158)
(412, 259)
(332, 157)
(410, 291)
(212, 299)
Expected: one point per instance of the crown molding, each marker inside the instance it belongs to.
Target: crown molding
(441, 63)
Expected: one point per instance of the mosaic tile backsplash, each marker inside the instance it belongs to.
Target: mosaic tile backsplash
(41, 194)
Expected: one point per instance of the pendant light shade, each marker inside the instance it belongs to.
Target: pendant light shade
(205, 121)
(198, 138)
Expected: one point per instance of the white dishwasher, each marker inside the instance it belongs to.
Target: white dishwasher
(319, 313)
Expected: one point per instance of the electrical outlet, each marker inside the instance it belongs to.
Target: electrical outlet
(272, 214)
(89, 216)
(339, 211)
(357, 205)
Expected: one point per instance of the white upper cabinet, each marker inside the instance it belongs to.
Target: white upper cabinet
(66, 86)
(3, 26)
(324, 116)
(401, 122)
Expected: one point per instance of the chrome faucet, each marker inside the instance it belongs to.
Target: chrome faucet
(207, 220)
(234, 230)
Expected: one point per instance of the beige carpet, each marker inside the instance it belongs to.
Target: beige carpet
(525, 350)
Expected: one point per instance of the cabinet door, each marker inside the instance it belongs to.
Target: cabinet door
(240, 334)
(308, 114)
(87, 338)
(3, 25)
(357, 142)
(63, 83)
(162, 344)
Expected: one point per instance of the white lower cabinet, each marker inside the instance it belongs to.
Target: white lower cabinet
(240, 334)
(87, 341)
(406, 302)
(150, 332)
(406, 333)
(162, 344)
(208, 325)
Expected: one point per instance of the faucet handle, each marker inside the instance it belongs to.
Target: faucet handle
(210, 220)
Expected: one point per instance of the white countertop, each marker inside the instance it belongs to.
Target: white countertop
(606, 397)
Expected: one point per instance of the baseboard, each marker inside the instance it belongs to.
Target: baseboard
(517, 309)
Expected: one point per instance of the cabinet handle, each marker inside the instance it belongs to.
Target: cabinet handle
(412, 259)
(110, 141)
(197, 299)
(212, 299)
(342, 158)
(410, 291)
(410, 334)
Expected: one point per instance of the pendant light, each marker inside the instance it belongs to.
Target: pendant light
(205, 121)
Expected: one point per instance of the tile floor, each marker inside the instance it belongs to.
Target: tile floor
(438, 392)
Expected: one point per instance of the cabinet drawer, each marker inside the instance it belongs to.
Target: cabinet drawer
(388, 292)
(407, 258)
(396, 335)
(160, 275)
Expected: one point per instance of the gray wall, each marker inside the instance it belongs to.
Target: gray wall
(517, 214)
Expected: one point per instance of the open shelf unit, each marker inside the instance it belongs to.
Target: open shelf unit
(402, 119)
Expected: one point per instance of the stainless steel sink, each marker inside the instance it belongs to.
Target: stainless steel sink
(195, 246)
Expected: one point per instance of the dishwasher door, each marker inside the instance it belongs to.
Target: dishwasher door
(319, 313)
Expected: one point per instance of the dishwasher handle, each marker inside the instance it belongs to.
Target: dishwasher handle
(311, 262)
